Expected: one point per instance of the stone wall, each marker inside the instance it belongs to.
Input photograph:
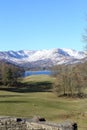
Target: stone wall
(12, 123)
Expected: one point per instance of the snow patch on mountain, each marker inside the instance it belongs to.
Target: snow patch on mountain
(74, 53)
(42, 57)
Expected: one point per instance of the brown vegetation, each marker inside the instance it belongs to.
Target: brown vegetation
(71, 80)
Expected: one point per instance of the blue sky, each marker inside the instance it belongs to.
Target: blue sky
(42, 24)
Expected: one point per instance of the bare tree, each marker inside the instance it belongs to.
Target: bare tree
(71, 80)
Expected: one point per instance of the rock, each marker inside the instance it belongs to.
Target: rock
(38, 119)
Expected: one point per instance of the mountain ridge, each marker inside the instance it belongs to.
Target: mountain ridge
(44, 58)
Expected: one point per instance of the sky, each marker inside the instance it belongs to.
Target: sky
(42, 24)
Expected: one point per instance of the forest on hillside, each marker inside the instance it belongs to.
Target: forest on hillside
(9, 74)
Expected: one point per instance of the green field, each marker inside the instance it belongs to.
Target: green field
(27, 103)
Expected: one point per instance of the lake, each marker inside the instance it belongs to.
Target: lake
(41, 72)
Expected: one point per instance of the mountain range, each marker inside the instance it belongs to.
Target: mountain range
(42, 58)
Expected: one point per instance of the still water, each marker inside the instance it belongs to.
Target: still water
(43, 72)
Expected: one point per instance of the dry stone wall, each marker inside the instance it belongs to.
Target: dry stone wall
(12, 123)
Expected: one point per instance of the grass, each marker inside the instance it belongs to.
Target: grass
(44, 104)
(38, 78)
(38, 83)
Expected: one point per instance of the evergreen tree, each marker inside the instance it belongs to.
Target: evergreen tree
(9, 74)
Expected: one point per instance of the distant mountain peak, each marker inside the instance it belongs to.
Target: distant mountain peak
(42, 58)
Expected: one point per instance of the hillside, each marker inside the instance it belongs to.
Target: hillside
(42, 58)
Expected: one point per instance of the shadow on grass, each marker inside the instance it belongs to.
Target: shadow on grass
(30, 87)
(6, 96)
(13, 102)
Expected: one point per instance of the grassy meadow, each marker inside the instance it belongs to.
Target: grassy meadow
(37, 99)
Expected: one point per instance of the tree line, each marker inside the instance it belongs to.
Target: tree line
(71, 80)
(9, 74)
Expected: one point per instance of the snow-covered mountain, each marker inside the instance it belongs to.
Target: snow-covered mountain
(44, 58)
